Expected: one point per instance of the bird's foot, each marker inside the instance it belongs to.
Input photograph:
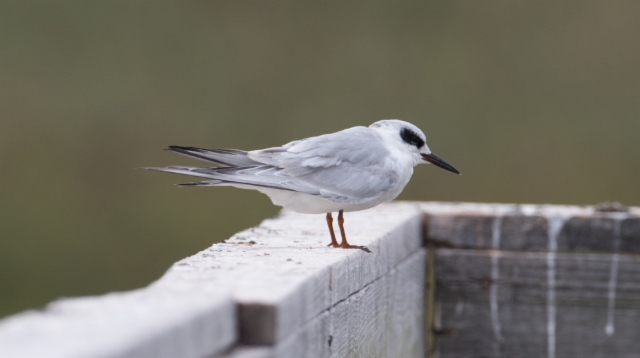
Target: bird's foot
(348, 246)
(334, 244)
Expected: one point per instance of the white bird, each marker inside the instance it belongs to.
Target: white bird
(350, 170)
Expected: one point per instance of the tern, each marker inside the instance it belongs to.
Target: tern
(350, 170)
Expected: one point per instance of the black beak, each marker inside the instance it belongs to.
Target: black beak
(439, 162)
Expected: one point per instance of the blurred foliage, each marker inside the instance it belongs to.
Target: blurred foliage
(534, 101)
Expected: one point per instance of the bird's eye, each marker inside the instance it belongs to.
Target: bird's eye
(411, 137)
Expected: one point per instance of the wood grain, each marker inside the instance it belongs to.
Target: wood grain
(168, 321)
(511, 281)
(526, 227)
(586, 300)
(282, 274)
(383, 319)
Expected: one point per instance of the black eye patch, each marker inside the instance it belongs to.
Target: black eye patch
(411, 137)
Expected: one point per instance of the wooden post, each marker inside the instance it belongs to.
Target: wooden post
(535, 281)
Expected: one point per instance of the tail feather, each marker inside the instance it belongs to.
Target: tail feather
(203, 172)
(202, 183)
(255, 176)
(222, 157)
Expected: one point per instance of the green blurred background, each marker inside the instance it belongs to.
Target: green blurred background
(534, 101)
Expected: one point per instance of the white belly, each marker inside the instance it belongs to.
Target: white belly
(310, 204)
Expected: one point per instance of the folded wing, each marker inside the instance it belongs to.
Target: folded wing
(346, 166)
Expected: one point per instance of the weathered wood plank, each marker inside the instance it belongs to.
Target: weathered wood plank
(527, 227)
(282, 274)
(517, 304)
(155, 321)
(386, 318)
(522, 281)
(383, 319)
(630, 239)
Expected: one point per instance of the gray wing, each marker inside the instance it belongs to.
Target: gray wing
(346, 166)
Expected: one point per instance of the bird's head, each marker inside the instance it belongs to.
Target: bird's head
(409, 139)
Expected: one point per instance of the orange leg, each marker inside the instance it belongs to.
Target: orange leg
(344, 244)
(334, 242)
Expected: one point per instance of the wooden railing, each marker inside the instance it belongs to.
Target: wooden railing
(535, 281)
(443, 280)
